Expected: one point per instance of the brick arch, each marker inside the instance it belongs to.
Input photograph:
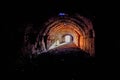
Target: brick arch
(58, 22)
(80, 31)
(60, 29)
(71, 37)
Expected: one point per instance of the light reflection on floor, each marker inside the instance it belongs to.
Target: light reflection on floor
(57, 45)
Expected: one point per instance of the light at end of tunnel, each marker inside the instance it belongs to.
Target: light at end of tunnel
(67, 38)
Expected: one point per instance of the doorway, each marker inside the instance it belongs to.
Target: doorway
(68, 38)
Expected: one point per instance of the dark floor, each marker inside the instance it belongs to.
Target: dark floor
(72, 58)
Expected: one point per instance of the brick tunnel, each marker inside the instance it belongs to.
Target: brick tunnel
(62, 39)
(61, 31)
(56, 32)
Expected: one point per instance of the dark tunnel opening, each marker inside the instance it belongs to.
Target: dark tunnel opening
(28, 47)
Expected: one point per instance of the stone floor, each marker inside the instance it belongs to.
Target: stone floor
(65, 56)
(68, 54)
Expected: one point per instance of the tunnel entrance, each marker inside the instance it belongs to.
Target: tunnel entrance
(66, 30)
(68, 39)
(64, 33)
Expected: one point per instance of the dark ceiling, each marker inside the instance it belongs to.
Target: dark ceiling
(30, 11)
